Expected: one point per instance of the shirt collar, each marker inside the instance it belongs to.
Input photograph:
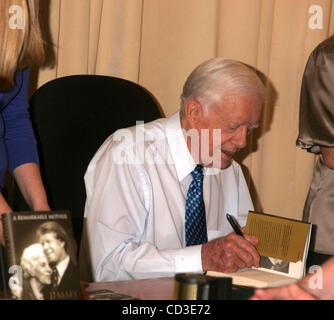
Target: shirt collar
(183, 161)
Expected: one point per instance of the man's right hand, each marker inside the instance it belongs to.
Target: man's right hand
(230, 253)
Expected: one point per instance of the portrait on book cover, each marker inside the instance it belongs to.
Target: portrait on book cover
(47, 256)
(274, 264)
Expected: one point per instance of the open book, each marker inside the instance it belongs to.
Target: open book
(283, 247)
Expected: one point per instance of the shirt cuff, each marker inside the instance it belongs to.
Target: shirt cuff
(189, 260)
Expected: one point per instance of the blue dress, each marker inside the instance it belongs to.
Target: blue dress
(17, 140)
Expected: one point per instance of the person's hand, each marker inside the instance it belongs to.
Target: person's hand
(230, 253)
(290, 292)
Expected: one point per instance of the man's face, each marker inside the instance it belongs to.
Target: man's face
(53, 247)
(42, 270)
(227, 125)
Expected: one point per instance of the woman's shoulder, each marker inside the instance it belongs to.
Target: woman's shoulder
(19, 89)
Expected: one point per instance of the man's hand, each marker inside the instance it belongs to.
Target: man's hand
(230, 253)
(290, 292)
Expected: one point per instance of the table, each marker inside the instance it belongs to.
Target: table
(154, 289)
(144, 289)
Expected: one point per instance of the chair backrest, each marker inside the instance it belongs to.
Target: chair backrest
(72, 116)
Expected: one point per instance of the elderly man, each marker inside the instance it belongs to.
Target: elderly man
(157, 194)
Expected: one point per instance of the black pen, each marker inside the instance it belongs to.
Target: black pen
(234, 224)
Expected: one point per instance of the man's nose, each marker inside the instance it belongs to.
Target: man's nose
(240, 138)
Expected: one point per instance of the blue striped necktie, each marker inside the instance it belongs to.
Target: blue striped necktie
(195, 220)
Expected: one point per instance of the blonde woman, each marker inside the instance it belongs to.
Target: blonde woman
(21, 46)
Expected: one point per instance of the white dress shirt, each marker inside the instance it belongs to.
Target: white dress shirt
(61, 268)
(136, 188)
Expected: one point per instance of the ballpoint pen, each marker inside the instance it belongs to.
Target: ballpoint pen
(234, 224)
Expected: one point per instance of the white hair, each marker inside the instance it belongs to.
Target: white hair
(29, 256)
(220, 76)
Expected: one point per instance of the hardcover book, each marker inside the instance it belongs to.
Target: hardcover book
(41, 256)
(283, 248)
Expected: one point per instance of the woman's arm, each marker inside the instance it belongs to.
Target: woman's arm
(29, 180)
(21, 146)
(30, 183)
(4, 206)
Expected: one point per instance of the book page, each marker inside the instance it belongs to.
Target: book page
(279, 237)
(255, 278)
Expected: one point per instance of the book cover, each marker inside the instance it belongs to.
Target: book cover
(41, 256)
(283, 248)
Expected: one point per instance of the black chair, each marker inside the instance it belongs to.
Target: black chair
(72, 116)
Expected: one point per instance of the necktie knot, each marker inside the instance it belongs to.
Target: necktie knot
(197, 173)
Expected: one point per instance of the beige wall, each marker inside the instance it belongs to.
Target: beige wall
(156, 43)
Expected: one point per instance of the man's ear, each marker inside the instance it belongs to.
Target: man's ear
(62, 243)
(193, 112)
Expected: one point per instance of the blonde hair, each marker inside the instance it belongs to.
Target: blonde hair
(19, 47)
